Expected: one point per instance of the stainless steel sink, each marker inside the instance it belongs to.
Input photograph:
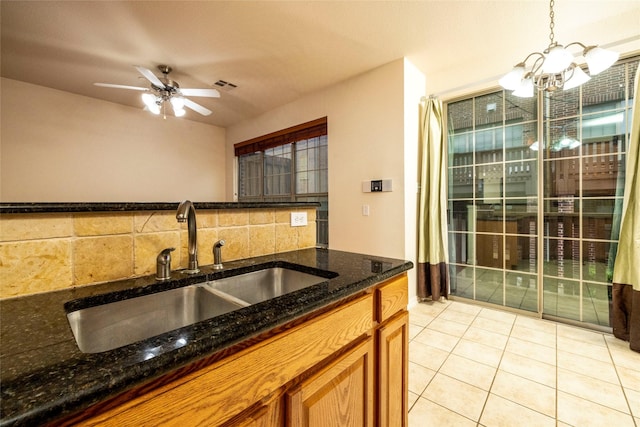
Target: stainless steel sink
(112, 325)
(263, 285)
(116, 324)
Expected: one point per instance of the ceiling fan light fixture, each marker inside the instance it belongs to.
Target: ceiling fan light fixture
(148, 99)
(152, 102)
(177, 102)
(155, 109)
(166, 90)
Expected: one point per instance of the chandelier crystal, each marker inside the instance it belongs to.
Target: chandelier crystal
(554, 68)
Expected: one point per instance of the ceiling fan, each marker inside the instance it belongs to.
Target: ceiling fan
(163, 89)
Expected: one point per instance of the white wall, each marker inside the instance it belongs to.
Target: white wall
(62, 147)
(372, 122)
(414, 89)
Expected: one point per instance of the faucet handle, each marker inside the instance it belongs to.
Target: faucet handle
(163, 264)
(217, 254)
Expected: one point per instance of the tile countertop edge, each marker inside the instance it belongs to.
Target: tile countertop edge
(82, 380)
(71, 207)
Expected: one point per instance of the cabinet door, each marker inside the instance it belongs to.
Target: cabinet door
(271, 414)
(340, 395)
(393, 368)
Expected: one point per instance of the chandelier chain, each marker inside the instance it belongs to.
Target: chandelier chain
(551, 22)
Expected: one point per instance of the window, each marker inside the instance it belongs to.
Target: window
(288, 165)
(534, 188)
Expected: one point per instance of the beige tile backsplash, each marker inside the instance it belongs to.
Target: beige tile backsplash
(44, 252)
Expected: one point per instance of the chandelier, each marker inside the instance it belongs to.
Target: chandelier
(554, 68)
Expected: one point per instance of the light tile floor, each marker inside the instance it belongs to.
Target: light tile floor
(476, 366)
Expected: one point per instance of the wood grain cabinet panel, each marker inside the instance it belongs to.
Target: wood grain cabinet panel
(391, 297)
(270, 414)
(341, 395)
(393, 368)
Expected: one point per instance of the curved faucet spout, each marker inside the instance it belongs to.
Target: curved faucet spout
(187, 213)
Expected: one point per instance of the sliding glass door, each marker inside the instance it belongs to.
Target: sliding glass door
(534, 189)
(583, 170)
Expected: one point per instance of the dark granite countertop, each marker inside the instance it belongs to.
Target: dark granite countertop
(45, 376)
(15, 208)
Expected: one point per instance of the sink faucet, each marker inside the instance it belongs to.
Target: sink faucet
(187, 213)
(163, 264)
(217, 254)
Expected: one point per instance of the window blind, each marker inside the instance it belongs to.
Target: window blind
(290, 135)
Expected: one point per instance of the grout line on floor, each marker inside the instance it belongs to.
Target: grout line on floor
(624, 392)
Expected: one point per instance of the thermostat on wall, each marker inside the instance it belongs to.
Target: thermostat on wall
(377, 185)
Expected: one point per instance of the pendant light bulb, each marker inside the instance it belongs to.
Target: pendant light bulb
(557, 60)
(177, 102)
(155, 109)
(148, 99)
(525, 90)
(578, 78)
(599, 59)
(151, 102)
(513, 79)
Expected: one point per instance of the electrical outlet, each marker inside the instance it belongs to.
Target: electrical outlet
(298, 219)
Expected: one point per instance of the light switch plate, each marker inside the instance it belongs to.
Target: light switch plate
(298, 219)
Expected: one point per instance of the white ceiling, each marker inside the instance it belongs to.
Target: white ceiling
(278, 51)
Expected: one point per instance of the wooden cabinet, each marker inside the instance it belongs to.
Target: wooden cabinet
(345, 367)
(341, 395)
(393, 367)
(392, 342)
(269, 413)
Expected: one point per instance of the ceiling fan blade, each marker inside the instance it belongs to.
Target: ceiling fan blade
(196, 107)
(211, 93)
(147, 74)
(120, 86)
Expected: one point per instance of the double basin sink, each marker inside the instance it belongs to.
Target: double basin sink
(111, 325)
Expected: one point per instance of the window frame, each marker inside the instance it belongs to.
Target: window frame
(260, 146)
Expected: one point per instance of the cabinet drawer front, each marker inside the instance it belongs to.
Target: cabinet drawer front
(391, 297)
(223, 390)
